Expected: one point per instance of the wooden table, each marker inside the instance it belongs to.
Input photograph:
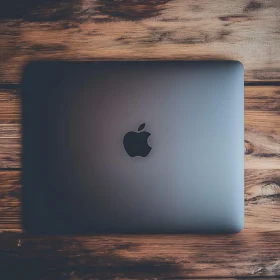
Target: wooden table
(245, 30)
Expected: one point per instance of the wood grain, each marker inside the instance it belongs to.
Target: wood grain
(248, 254)
(245, 30)
(10, 200)
(262, 128)
(10, 128)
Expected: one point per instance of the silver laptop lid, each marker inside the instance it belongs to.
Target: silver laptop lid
(136, 146)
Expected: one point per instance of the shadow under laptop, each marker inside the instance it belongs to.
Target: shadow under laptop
(46, 257)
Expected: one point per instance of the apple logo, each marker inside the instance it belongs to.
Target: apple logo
(135, 143)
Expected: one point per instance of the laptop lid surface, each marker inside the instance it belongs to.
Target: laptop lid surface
(133, 147)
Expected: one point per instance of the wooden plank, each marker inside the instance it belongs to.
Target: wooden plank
(262, 128)
(10, 106)
(10, 200)
(245, 30)
(10, 129)
(10, 150)
(262, 197)
(248, 254)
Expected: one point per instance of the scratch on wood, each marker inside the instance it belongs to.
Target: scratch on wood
(267, 155)
(223, 33)
(272, 268)
(248, 148)
(273, 184)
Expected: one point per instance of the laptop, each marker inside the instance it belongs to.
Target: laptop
(133, 147)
